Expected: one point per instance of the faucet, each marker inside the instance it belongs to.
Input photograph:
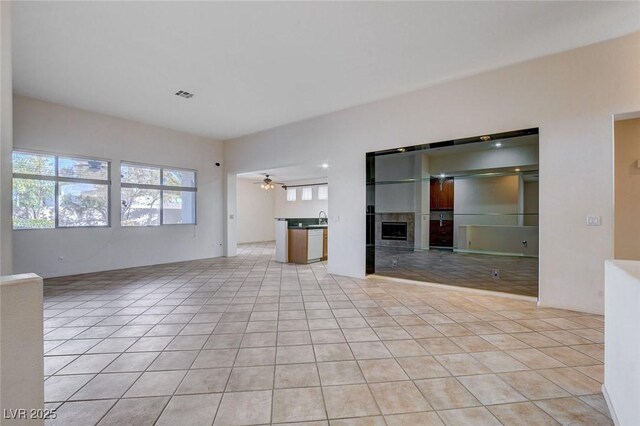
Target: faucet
(322, 218)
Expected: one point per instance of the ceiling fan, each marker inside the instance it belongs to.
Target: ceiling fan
(268, 183)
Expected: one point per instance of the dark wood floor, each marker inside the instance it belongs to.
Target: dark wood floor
(518, 275)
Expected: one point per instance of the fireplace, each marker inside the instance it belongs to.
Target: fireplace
(394, 231)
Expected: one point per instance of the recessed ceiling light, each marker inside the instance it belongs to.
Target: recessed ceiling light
(402, 149)
(184, 94)
(498, 144)
(485, 138)
(442, 175)
(517, 170)
(325, 166)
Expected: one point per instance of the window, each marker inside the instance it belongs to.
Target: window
(51, 191)
(307, 193)
(291, 194)
(153, 195)
(323, 192)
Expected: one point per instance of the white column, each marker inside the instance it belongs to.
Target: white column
(6, 139)
(520, 200)
(21, 350)
(425, 200)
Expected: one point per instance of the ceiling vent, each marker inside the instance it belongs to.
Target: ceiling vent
(184, 94)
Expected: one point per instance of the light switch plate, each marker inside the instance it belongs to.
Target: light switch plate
(593, 220)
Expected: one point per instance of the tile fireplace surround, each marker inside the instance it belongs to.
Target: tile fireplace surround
(409, 218)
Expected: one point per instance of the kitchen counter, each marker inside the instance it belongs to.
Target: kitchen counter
(307, 226)
(301, 240)
(307, 244)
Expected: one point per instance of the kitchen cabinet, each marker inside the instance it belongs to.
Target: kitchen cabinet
(325, 243)
(298, 246)
(441, 196)
(441, 235)
(441, 206)
(307, 245)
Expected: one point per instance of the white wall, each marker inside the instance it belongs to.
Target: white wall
(395, 197)
(53, 128)
(474, 197)
(255, 212)
(6, 138)
(627, 189)
(570, 97)
(480, 195)
(299, 208)
(516, 156)
(500, 239)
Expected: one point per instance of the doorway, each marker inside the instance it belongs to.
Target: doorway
(271, 201)
(627, 188)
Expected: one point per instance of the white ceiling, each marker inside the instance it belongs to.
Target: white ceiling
(256, 65)
(289, 174)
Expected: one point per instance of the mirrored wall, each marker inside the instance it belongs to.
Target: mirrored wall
(461, 212)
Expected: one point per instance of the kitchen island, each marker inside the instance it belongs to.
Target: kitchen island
(301, 241)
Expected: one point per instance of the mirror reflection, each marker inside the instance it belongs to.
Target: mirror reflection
(461, 212)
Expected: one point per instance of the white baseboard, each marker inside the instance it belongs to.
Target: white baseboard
(610, 405)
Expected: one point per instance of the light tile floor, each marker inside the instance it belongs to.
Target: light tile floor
(246, 340)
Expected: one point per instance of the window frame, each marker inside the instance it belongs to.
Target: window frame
(295, 195)
(161, 188)
(306, 189)
(327, 192)
(56, 178)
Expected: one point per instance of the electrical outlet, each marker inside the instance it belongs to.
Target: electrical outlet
(593, 220)
(495, 273)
